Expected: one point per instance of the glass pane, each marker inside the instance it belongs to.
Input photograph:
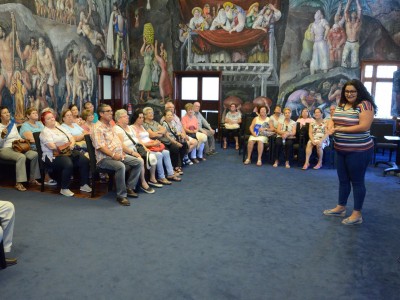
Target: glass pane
(107, 87)
(386, 71)
(189, 88)
(368, 85)
(383, 99)
(210, 88)
(368, 71)
(183, 113)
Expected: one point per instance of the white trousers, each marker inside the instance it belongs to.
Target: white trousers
(7, 217)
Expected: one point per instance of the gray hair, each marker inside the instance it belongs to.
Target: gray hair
(119, 113)
(146, 109)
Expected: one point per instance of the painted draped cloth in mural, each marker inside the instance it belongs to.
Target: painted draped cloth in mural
(208, 40)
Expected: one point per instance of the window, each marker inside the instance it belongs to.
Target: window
(377, 77)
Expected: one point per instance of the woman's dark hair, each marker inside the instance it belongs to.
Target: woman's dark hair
(321, 111)
(135, 115)
(72, 105)
(64, 112)
(167, 111)
(3, 107)
(308, 112)
(362, 94)
(263, 106)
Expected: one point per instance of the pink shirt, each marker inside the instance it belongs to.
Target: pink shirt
(190, 123)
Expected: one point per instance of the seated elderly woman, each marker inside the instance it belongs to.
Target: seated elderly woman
(233, 118)
(159, 132)
(9, 134)
(285, 138)
(319, 138)
(191, 127)
(58, 154)
(130, 144)
(157, 148)
(87, 120)
(260, 131)
(175, 137)
(30, 126)
(73, 128)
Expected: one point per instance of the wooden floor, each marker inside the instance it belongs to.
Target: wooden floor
(101, 188)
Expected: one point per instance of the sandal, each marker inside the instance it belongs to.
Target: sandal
(259, 163)
(20, 187)
(174, 178)
(305, 167)
(35, 182)
(247, 161)
(317, 166)
(275, 165)
(287, 166)
(164, 181)
(237, 147)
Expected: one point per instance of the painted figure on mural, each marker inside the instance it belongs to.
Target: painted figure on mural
(90, 80)
(147, 52)
(307, 49)
(92, 35)
(70, 17)
(320, 57)
(252, 14)
(206, 14)
(155, 72)
(236, 16)
(60, 11)
(353, 28)
(30, 75)
(336, 92)
(124, 66)
(47, 70)
(6, 56)
(303, 98)
(220, 21)
(18, 90)
(268, 15)
(77, 89)
(85, 84)
(197, 22)
(120, 35)
(69, 76)
(51, 10)
(164, 83)
(336, 40)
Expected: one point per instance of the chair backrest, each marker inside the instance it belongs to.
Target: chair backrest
(246, 122)
(3, 263)
(92, 153)
(380, 129)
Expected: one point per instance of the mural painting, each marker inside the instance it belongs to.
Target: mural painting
(49, 52)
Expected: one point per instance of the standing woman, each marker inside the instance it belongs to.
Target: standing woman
(350, 126)
(9, 133)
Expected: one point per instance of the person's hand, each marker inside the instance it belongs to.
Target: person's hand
(212, 131)
(117, 156)
(135, 154)
(4, 133)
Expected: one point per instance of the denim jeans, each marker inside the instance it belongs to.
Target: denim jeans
(351, 168)
(131, 164)
(164, 157)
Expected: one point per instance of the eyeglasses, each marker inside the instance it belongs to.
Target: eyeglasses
(108, 110)
(350, 92)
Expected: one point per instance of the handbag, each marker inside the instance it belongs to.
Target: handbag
(21, 146)
(63, 150)
(139, 147)
(232, 126)
(158, 148)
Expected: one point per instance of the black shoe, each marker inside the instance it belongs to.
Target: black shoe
(11, 261)
(123, 201)
(131, 193)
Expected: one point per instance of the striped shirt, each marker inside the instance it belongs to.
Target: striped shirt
(354, 141)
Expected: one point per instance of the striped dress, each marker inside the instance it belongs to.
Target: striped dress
(355, 141)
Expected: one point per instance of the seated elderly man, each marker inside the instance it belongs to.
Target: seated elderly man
(7, 218)
(110, 155)
(205, 128)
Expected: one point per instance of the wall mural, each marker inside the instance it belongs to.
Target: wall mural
(49, 50)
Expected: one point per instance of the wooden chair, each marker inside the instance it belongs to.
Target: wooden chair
(42, 166)
(94, 169)
(3, 263)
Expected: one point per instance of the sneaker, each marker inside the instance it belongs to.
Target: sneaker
(66, 192)
(50, 182)
(86, 188)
